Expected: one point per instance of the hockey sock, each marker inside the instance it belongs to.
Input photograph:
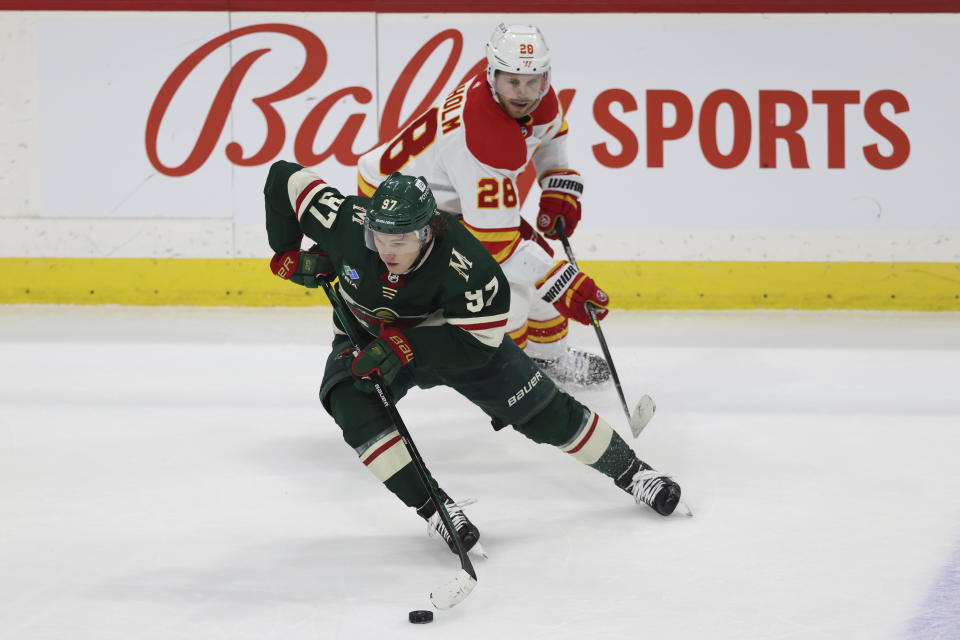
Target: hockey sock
(591, 440)
(575, 429)
(597, 445)
(375, 440)
(406, 485)
(616, 459)
(388, 459)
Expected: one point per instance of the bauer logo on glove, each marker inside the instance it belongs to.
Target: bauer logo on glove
(384, 357)
(288, 264)
(304, 267)
(401, 347)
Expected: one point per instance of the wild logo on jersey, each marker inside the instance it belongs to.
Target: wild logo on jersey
(373, 320)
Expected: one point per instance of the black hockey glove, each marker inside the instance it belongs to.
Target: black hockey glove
(304, 267)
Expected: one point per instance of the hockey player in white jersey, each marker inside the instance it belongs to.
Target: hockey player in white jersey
(471, 146)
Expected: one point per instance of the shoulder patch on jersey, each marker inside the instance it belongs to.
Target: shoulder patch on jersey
(359, 212)
(547, 110)
(493, 137)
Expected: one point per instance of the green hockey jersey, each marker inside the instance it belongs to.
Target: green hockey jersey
(452, 305)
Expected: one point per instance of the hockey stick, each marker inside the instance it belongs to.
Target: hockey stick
(643, 412)
(456, 590)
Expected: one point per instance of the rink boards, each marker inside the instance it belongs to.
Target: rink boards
(921, 286)
(734, 160)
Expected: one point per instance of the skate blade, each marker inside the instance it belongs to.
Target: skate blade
(684, 509)
(642, 414)
(478, 550)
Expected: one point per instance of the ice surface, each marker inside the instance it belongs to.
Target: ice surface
(168, 473)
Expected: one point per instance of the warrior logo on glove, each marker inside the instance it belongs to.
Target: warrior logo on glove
(560, 199)
(573, 293)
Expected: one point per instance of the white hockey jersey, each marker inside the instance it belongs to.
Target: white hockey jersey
(471, 152)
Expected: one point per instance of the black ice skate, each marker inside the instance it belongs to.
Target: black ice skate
(468, 533)
(575, 368)
(652, 488)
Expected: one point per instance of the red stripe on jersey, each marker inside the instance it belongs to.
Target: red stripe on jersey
(480, 325)
(593, 426)
(502, 250)
(376, 453)
(478, 231)
(501, 242)
(303, 194)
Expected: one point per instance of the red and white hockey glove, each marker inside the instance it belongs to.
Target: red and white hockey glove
(560, 198)
(304, 267)
(570, 291)
(385, 356)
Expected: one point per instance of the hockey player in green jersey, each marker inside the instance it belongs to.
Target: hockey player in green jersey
(433, 303)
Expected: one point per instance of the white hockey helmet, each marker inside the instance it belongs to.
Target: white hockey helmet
(518, 48)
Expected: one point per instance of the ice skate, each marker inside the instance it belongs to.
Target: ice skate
(650, 487)
(575, 368)
(468, 533)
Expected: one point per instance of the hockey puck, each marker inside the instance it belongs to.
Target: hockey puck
(420, 616)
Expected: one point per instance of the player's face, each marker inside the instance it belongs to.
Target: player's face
(398, 251)
(518, 92)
